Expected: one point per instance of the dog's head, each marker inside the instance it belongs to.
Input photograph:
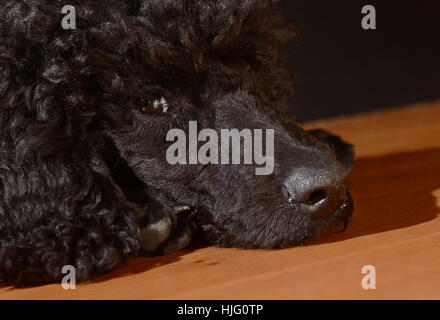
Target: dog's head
(280, 189)
(143, 70)
(214, 66)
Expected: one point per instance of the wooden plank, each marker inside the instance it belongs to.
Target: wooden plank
(396, 228)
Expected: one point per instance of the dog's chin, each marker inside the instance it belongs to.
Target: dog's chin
(337, 222)
(310, 228)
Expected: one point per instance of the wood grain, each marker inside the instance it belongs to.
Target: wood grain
(396, 228)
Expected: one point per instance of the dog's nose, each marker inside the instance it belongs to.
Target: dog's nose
(318, 192)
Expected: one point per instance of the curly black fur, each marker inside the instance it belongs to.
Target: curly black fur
(82, 169)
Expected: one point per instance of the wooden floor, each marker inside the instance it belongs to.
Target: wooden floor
(396, 228)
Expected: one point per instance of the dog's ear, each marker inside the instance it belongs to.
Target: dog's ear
(344, 150)
(57, 210)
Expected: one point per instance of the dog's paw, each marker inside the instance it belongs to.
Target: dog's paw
(344, 150)
(182, 240)
(155, 234)
(169, 233)
(181, 233)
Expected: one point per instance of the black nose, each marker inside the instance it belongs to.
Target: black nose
(318, 192)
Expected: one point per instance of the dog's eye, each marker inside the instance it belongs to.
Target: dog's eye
(159, 105)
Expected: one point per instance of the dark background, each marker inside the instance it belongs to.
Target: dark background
(341, 68)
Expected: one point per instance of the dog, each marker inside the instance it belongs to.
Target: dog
(84, 118)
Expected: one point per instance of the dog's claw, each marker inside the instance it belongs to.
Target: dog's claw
(182, 234)
(155, 234)
(180, 209)
(180, 242)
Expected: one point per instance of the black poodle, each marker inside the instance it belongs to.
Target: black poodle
(84, 117)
